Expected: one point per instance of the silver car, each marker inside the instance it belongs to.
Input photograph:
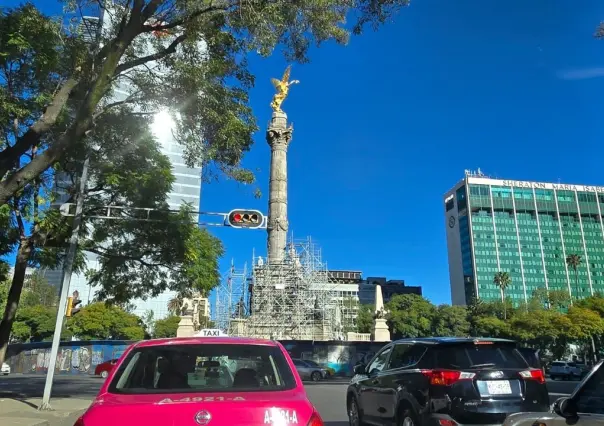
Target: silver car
(585, 407)
(308, 371)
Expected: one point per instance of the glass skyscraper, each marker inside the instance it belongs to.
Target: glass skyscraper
(526, 229)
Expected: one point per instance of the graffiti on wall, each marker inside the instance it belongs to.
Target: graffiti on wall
(83, 357)
(340, 356)
(73, 357)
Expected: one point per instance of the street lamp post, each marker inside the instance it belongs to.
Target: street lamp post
(67, 269)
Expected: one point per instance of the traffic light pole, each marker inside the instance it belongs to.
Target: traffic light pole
(67, 269)
(248, 218)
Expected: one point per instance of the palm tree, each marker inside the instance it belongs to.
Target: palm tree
(174, 305)
(502, 280)
(574, 261)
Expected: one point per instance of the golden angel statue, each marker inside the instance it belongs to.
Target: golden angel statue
(282, 87)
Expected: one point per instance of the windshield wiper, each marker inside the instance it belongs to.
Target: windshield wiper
(488, 364)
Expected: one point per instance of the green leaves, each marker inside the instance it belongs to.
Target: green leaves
(411, 315)
(35, 323)
(102, 321)
(365, 319)
(534, 324)
(198, 67)
(166, 327)
(200, 269)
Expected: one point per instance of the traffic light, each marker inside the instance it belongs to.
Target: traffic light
(245, 219)
(72, 304)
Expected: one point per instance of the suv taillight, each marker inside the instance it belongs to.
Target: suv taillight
(533, 375)
(79, 422)
(315, 420)
(447, 377)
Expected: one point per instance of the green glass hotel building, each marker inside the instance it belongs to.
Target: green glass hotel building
(526, 229)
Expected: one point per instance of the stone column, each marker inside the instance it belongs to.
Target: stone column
(380, 333)
(278, 137)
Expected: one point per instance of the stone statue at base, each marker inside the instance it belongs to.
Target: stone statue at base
(189, 317)
(380, 333)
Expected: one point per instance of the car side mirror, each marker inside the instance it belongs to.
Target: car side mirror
(359, 369)
(565, 407)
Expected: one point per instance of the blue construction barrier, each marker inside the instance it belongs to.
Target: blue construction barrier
(82, 357)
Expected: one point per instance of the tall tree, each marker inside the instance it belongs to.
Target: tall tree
(411, 315)
(503, 281)
(539, 328)
(491, 326)
(587, 325)
(174, 305)
(102, 321)
(166, 327)
(168, 50)
(365, 319)
(138, 257)
(34, 323)
(574, 261)
(37, 291)
(451, 321)
(57, 94)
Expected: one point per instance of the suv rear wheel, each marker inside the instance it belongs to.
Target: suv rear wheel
(408, 418)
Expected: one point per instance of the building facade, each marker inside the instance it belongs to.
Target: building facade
(389, 289)
(527, 229)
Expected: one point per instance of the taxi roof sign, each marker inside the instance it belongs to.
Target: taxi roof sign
(211, 332)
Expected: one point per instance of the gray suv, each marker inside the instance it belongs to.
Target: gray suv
(585, 407)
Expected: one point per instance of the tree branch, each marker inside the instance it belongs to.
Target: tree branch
(81, 123)
(107, 107)
(10, 155)
(125, 257)
(214, 7)
(154, 57)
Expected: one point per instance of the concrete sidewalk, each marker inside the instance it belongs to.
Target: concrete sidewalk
(24, 412)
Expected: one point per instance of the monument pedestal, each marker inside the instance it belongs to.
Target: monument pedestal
(238, 327)
(380, 333)
(185, 326)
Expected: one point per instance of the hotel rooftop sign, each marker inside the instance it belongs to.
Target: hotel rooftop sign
(535, 185)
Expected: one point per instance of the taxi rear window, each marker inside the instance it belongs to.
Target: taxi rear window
(203, 368)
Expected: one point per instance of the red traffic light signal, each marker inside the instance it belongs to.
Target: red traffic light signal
(245, 219)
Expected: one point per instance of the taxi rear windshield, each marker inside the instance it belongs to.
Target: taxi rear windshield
(203, 368)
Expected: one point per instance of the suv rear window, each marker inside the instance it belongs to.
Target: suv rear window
(203, 368)
(558, 364)
(476, 356)
(531, 356)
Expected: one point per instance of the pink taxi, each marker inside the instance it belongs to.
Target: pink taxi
(198, 381)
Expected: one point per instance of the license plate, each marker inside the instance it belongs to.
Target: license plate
(499, 387)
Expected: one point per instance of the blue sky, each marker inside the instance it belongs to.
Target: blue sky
(385, 126)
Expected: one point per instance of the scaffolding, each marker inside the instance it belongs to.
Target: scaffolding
(295, 299)
(231, 298)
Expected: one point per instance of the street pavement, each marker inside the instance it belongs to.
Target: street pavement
(20, 395)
